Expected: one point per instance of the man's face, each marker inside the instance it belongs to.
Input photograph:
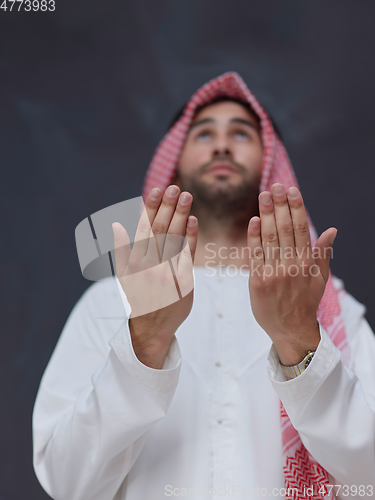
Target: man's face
(222, 157)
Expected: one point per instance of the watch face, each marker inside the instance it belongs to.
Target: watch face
(308, 361)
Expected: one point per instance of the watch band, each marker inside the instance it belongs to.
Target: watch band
(294, 371)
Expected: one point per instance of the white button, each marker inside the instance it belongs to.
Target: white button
(218, 364)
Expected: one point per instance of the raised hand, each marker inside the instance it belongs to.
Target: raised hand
(157, 273)
(287, 277)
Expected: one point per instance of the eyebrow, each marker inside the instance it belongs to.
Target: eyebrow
(243, 121)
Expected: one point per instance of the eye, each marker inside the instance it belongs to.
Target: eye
(241, 134)
(204, 135)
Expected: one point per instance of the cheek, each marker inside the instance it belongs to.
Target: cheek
(192, 158)
(251, 156)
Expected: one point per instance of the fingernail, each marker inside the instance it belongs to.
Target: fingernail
(185, 198)
(191, 221)
(155, 194)
(255, 222)
(266, 197)
(172, 191)
(278, 189)
(293, 193)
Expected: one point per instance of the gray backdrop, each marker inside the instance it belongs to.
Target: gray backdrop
(86, 93)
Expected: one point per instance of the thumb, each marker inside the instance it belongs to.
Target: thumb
(322, 251)
(122, 248)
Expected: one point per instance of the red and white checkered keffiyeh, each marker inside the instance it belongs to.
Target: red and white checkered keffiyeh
(300, 469)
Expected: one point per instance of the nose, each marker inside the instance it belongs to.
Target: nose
(222, 147)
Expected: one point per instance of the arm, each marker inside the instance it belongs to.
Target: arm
(96, 402)
(333, 406)
(330, 405)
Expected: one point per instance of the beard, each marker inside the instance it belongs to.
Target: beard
(221, 199)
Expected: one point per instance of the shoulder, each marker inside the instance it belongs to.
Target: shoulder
(360, 336)
(352, 310)
(95, 318)
(101, 298)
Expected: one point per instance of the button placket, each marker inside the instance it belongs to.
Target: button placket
(223, 426)
(228, 396)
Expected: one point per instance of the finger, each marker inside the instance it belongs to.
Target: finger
(322, 251)
(162, 221)
(268, 229)
(143, 233)
(284, 223)
(254, 243)
(300, 225)
(122, 248)
(187, 255)
(177, 227)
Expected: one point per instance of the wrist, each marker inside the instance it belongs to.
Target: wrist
(294, 371)
(291, 351)
(151, 350)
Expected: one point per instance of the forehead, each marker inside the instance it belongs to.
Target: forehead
(224, 112)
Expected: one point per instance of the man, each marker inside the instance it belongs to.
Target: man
(118, 416)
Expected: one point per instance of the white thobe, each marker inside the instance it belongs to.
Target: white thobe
(207, 425)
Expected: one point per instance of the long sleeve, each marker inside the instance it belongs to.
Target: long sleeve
(333, 406)
(96, 401)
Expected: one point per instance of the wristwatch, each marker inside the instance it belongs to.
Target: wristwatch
(294, 371)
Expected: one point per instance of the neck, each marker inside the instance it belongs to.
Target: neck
(222, 241)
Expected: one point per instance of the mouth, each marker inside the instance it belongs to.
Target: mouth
(222, 168)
